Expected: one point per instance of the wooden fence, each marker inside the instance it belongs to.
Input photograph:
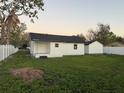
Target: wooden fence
(7, 50)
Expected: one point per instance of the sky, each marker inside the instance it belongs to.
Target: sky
(71, 17)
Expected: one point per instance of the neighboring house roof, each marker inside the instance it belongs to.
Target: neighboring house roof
(55, 38)
(116, 44)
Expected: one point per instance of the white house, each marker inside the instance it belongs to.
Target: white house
(93, 47)
(45, 45)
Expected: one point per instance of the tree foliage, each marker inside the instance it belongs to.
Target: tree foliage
(81, 36)
(102, 34)
(17, 37)
(11, 9)
(120, 39)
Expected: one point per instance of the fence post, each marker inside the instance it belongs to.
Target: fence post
(6, 50)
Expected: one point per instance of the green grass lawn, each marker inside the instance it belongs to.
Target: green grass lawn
(74, 74)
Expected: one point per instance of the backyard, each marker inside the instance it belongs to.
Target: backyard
(70, 74)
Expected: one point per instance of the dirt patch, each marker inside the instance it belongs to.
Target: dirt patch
(28, 74)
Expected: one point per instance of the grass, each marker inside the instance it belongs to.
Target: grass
(74, 74)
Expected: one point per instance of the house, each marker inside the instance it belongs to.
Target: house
(93, 47)
(46, 45)
(116, 44)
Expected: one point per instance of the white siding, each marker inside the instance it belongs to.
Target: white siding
(56, 51)
(7, 50)
(32, 47)
(86, 48)
(65, 49)
(68, 49)
(43, 47)
(48, 49)
(95, 48)
(114, 50)
(38, 48)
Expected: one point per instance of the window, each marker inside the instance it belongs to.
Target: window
(75, 47)
(56, 45)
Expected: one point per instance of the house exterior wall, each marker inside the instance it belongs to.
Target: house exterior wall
(32, 47)
(43, 47)
(95, 48)
(38, 49)
(56, 51)
(86, 49)
(65, 49)
(68, 49)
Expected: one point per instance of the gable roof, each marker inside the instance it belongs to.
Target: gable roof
(89, 42)
(55, 38)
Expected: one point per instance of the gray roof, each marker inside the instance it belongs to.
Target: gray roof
(55, 38)
(89, 42)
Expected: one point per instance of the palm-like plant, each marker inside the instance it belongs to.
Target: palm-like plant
(11, 9)
(10, 24)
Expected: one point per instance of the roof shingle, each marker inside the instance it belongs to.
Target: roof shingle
(55, 38)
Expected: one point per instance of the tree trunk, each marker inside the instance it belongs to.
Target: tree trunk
(2, 34)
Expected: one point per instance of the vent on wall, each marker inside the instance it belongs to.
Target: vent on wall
(43, 57)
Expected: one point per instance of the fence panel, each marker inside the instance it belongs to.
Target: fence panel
(1, 52)
(114, 50)
(7, 50)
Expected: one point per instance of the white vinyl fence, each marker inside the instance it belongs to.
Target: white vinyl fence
(7, 50)
(114, 50)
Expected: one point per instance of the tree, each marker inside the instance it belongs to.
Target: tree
(11, 9)
(81, 36)
(102, 34)
(90, 36)
(17, 36)
(120, 39)
(25, 40)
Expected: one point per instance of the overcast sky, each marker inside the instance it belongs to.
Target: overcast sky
(70, 17)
